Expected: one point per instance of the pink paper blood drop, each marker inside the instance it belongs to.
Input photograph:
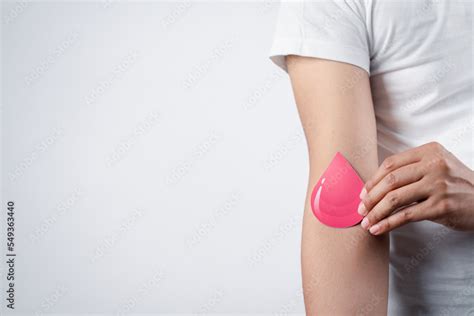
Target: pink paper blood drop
(335, 197)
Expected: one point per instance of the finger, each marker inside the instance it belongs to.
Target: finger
(391, 163)
(392, 181)
(414, 213)
(394, 200)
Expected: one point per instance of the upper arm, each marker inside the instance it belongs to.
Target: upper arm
(344, 270)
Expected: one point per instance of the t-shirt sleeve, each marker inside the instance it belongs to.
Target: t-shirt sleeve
(328, 29)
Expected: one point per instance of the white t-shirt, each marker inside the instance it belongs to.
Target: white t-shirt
(419, 58)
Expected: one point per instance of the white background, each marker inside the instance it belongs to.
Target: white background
(155, 158)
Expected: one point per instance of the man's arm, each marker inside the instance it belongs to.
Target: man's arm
(345, 271)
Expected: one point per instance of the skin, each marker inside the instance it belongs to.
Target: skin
(345, 271)
(427, 183)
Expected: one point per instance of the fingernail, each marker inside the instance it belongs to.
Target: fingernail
(363, 193)
(361, 209)
(365, 223)
(374, 230)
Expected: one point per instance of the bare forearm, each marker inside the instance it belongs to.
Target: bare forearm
(345, 271)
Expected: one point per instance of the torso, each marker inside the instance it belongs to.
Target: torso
(422, 87)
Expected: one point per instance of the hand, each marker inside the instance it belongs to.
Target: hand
(423, 183)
